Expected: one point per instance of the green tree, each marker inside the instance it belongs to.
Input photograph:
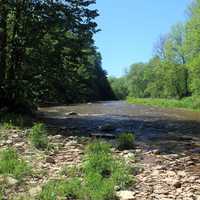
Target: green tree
(47, 53)
(192, 46)
(119, 87)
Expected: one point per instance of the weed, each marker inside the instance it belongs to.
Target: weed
(126, 141)
(98, 188)
(38, 136)
(101, 172)
(12, 165)
(71, 171)
(60, 189)
(12, 120)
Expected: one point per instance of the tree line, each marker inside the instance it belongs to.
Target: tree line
(174, 69)
(47, 53)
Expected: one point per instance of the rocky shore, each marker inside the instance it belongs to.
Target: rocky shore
(158, 175)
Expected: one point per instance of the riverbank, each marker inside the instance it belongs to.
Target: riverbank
(49, 161)
(190, 103)
(170, 172)
(37, 162)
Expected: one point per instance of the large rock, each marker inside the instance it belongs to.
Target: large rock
(126, 195)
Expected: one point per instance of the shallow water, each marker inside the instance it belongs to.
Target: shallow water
(145, 121)
(168, 131)
(122, 108)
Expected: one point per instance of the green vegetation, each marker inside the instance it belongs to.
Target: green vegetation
(100, 161)
(188, 103)
(126, 141)
(101, 172)
(172, 72)
(12, 120)
(71, 171)
(11, 164)
(1, 195)
(38, 136)
(119, 86)
(64, 189)
(47, 54)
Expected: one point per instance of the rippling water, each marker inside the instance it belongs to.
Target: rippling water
(146, 122)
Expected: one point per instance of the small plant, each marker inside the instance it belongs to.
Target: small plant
(12, 120)
(98, 188)
(71, 171)
(101, 172)
(12, 165)
(54, 190)
(98, 158)
(126, 141)
(1, 192)
(38, 136)
(98, 147)
(7, 125)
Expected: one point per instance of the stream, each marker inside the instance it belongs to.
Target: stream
(148, 123)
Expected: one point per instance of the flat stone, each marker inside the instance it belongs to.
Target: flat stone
(35, 191)
(126, 195)
(11, 181)
(15, 136)
(9, 142)
(181, 173)
(170, 173)
(20, 144)
(155, 172)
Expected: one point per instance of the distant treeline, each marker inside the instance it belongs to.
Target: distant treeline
(174, 70)
(47, 53)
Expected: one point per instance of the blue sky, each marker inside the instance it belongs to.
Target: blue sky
(130, 29)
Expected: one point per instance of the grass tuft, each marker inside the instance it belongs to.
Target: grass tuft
(12, 120)
(12, 165)
(126, 141)
(38, 136)
(54, 190)
(101, 172)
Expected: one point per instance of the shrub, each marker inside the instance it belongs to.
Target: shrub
(38, 136)
(126, 141)
(12, 165)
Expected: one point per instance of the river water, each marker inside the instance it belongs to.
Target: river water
(146, 122)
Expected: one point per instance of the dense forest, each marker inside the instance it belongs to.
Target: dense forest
(47, 53)
(174, 69)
